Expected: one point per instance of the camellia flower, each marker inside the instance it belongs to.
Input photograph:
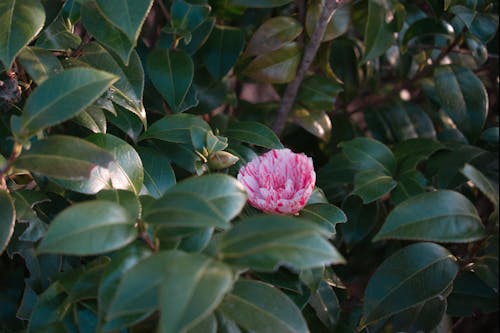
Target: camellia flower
(279, 182)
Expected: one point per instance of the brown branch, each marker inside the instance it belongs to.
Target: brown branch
(309, 53)
(149, 242)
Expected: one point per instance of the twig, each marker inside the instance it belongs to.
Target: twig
(309, 53)
(145, 237)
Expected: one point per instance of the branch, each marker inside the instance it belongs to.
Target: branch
(309, 53)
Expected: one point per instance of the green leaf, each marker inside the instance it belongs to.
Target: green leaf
(199, 36)
(272, 35)
(486, 186)
(20, 22)
(324, 215)
(259, 3)
(440, 216)
(207, 325)
(48, 311)
(124, 198)
(318, 92)
(63, 157)
(39, 63)
(186, 16)
(164, 271)
(482, 25)
(127, 172)
(7, 219)
(180, 209)
(89, 228)
(126, 15)
(370, 154)
(224, 192)
(58, 36)
(422, 30)
(175, 128)
(171, 72)
(371, 185)
(253, 133)
(92, 118)
(278, 66)
(463, 97)
(326, 305)
(259, 307)
(378, 34)
(409, 277)
(338, 24)
(59, 98)
(221, 50)
(264, 242)
(128, 90)
(104, 31)
(191, 291)
(361, 220)
(158, 173)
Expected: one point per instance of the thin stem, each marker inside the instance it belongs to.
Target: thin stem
(145, 237)
(309, 53)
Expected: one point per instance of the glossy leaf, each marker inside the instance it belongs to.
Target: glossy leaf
(175, 128)
(20, 22)
(39, 63)
(221, 50)
(259, 307)
(253, 133)
(92, 118)
(440, 216)
(58, 36)
(124, 198)
(378, 35)
(369, 154)
(186, 16)
(318, 92)
(225, 193)
(324, 215)
(489, 189)
(61, 97)
(199, 36)
(482, 25)
(361, 220)
(372, 185)
(265, 242)
(326, 305)
(127, 172)
(273, 34)
(158, 173)
(63, 157)
(279, 66)
(463, 97)
(172, 74)
(89, 228)
(126, 15)
(7, 219)
(338, 24)
(409, 277)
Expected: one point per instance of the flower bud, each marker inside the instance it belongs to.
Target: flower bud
(221, 160)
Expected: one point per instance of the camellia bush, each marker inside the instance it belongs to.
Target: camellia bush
(248, 166)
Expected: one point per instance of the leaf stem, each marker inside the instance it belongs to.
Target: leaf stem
(309, 53)
(150, 243)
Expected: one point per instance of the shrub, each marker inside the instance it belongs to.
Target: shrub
(124, 125)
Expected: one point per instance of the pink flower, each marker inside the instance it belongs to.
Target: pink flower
(279, 181)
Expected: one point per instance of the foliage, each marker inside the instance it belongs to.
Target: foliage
(123, 124)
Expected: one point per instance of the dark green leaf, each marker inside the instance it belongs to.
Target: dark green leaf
(324, 215)
(361, 220)
(48, 311)
(440, 216)
(265, 242)
(221, 50)
(20, 22)
(186, 16)
(326, 305)
(171, 72)
(7, 219)
(89, 228)
(199, 36)
(253, 133)
(272, 35)
(338, 25)
(224, 192)
(58, 36)
(207, 325)
(378, 34)
(126, 15)
(371, 185)
(318, 92)
(425, 31)
(158, 173)
(369, 154)
(259, 307)
(125, 199)
(92, 118)
(485, 185)
(39, 63)
(482, 25)
(279, 66)
(406, 279)
(175, 128)
(63, 157)
(463, 97)
(59, 98)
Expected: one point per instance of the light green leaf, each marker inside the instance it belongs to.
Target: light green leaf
(259, 307)
(126, 15)
(317, 123)
(39, 63)
(440, 216)
(92, 118)
(338, 24)
(63, 157)
(89, 228)
(278, 66)
(409, 277)
(7, 219)
(20, 22)
(264, 242)
(58, 36)
(253, 132)
(371, 185)
(59, 98)
(272, 35)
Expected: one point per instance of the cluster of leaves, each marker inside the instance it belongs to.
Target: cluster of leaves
(124, 122)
